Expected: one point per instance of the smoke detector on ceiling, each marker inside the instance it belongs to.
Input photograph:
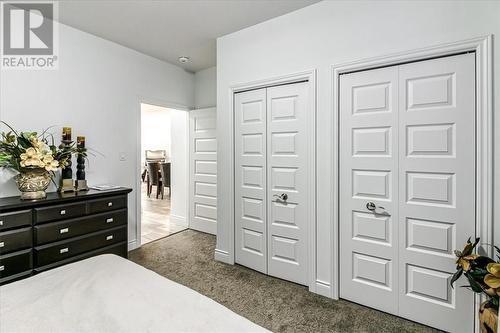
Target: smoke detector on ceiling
(183, 59)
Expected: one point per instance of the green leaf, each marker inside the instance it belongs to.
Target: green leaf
(456, 276)
(497, 249)
(478, 273)
(475, 286)
(494, 302)
(483, 261)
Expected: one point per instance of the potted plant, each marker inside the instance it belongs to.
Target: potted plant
(483, 275)
(34, 158)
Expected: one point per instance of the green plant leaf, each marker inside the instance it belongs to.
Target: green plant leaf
(483, 261)
(456, 276)
(478, 273)
(475, 285)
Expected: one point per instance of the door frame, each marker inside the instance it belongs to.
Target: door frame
(482, 46)
(134, 244)
(310, 77)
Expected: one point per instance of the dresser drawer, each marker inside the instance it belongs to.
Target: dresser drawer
(15, 263)
(119, 249)
(14, 240)
(49, 253)
(15, 219)
(107, 204)
(16, 277)
(59, 212)
(56, 231)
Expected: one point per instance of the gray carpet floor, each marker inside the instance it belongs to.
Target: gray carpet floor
(280, 306)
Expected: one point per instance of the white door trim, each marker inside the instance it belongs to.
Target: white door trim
(136, 243)
(482, 47)
(227, 202)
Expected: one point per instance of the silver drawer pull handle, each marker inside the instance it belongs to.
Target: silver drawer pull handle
(2, 244)
(63, 212)
(1, 223)
(110, 204)
(64, 230)
(2, 268)
(61, 251)
(110, 237)
(110, 220)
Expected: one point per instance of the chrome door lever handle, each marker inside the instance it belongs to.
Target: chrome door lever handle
(282, 196)
(373, 207)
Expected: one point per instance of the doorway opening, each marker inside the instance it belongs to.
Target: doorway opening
(163, 171)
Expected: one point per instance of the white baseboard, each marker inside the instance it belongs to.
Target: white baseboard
(223, 256)
(202, 225)
(180, 220)
(132, 245)
(323, 288)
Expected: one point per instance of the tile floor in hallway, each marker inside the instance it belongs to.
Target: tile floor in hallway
(155, 222)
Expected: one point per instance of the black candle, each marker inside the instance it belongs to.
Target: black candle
(66, 134)
(80, 142)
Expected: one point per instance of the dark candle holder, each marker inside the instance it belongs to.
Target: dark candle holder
(81, 182)
(67, 173)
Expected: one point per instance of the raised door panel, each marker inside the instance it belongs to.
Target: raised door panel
(437, 202)
(290, 145)
(250, 179)
(203, 170)
(368, 166)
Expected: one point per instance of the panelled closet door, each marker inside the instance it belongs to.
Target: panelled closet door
(368, 182)
(274, 180)
(289, 169)
(436, 188)
(407, 188)
(250, 179)
(203, 170)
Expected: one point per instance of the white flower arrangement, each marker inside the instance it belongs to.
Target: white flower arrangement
(40, 157)
(22, 150)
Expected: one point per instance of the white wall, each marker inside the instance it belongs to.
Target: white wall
(97, 90)
(155, 130)
(179, 167)
(205, 95)
(333, 32)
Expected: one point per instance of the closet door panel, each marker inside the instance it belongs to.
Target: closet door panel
(368, 188)
(290, 192)
(436, 188)
(250, 179)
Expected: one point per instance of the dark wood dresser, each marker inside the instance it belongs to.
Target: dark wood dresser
(65, 227)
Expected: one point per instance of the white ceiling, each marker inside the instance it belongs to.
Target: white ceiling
(169, 29)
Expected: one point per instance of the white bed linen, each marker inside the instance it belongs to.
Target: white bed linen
(110, 294)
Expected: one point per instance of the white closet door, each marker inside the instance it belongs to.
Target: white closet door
(368, 176)
(203, 170)
(408, 145)
(436, 188)
(250, 179)
(290, 174)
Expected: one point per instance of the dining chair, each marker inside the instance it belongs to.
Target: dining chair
(165, 178)
(153, 178)
(152, 156)
(156, 155)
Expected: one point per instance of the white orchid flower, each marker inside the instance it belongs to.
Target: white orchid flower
(52, 166)
(31, 152)
(47, 159)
